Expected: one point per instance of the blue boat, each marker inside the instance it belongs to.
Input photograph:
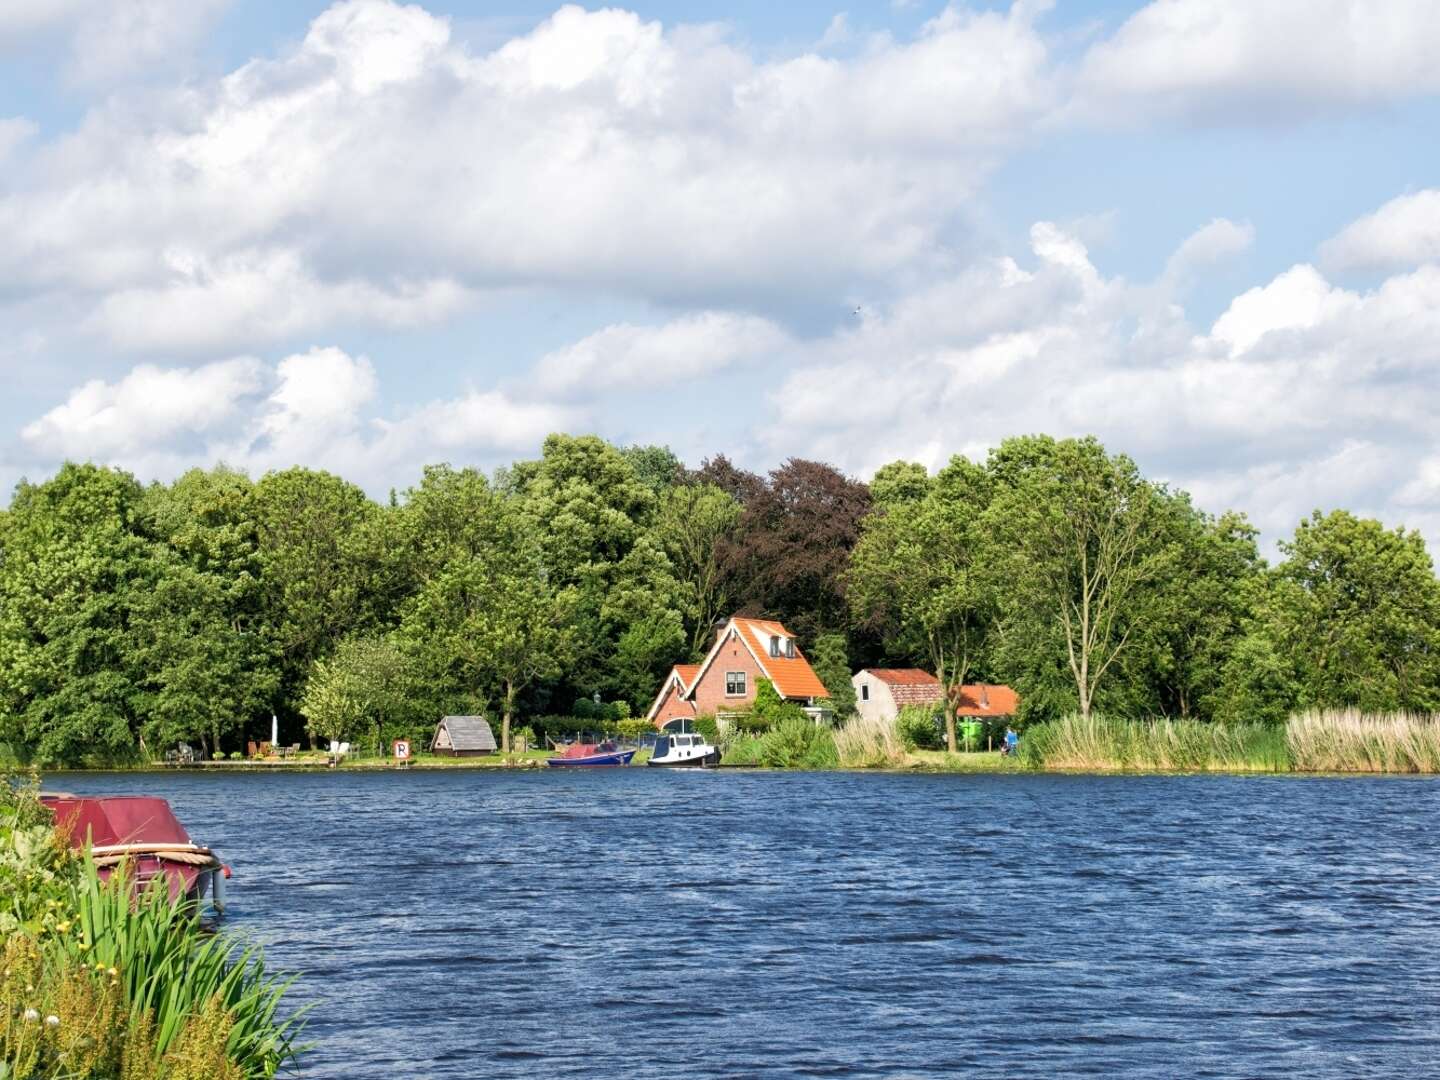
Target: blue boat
(578, 754)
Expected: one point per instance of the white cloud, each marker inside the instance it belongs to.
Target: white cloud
(1220, 239)
(380, 162)
(318, 408)
(697, 345)
(1404, 232)
(260, 296)
(1239, 60)
(1301, 394)
(150, 406)
(109, 40)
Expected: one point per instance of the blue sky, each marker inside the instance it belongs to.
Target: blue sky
(363, 235)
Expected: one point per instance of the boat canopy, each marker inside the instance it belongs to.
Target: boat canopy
(117, 819)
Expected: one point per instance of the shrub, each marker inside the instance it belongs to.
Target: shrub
(236, 755)
(797, 743)
(918, 727)
(635, 728)
(705, 724)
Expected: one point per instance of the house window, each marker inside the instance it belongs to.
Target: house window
(864, 693)
(734, 684)
(790, 648)
(774, 645)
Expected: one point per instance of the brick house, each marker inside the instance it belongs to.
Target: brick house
(671, 704)
(880, 693)
(745, 650)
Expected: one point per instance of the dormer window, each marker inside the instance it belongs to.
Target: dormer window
(790, 648)
(774, 645)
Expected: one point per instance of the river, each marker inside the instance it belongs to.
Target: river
(640, 923)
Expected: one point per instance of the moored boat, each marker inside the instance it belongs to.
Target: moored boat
(684, 752)
(581, 754)
(142, 832)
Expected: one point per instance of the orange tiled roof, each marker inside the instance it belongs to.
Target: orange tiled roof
(687, 673)
(981, 699)
(793, 677)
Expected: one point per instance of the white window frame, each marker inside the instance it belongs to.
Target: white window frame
(743, 683)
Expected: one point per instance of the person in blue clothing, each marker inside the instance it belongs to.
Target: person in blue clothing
(1012, 741)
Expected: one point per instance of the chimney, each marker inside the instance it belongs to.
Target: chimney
(720, 625)
(984, 696)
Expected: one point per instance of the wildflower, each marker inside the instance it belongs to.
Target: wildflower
(52, 1021)
(63, 927)
(114, 973)
(82, 946)
(32, 1016)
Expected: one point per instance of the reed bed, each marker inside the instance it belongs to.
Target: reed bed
(1324, 741)
(868, 744)
(1348, 740)
(1103, 743)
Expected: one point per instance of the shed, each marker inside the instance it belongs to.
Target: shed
(463, 736)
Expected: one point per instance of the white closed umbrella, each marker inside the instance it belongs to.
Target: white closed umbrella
(274, 730)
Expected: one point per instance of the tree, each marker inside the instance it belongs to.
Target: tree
(364, 682)
(321, 543)
(197, 627)
(918, 577)
(74, 561)
(1356, 608)
(899, 482)
(830, 658)
(494, 622)
(692, 526)
(1208, 577)
(592, 519)
(656, 467)
(1076, 529)
(792, 546)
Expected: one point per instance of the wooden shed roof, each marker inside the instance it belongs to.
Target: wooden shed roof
(468, 732)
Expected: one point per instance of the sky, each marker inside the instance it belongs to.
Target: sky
(364, 236)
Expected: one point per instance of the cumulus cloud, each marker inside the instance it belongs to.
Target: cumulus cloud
(1404, 232)
(1238, 60)
(149, 406)
(381, 163)
(111, 39)
(318, 408)
(1301, 394)
(702, 344)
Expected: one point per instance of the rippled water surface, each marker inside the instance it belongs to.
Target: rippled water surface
(640, 923)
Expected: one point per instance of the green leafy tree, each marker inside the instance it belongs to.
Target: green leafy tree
(656, 467)
(323, 566)
(494, 621)
(830, 657)
(593, 517)
(198, 633)
(1356, 607)
(1076, 537)
(919, 576)
(899, 482)
(362, 687)
(693, 524)
(74, 561)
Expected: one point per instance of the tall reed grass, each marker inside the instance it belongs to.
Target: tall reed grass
(868, 744)
(1333, 740)
(1347, 740)
(1103, 743)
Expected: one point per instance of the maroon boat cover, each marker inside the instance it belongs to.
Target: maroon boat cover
(579, 750)
(117, 819)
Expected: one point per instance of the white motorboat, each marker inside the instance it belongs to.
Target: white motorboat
(684, 752)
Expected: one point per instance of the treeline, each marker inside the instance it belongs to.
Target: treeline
(134, 617)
